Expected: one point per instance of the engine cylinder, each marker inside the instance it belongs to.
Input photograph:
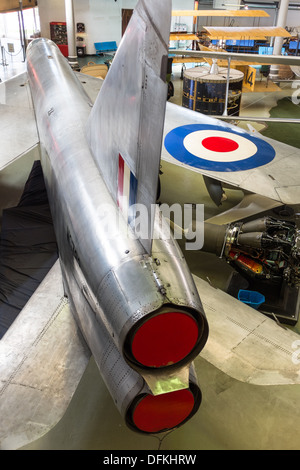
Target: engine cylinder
(214, 237)
(253, 240)
(257, 225)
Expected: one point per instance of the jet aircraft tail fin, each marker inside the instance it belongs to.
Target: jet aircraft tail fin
(125, 127)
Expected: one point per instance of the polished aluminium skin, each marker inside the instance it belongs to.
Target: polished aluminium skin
(114, 281)
(43, 379)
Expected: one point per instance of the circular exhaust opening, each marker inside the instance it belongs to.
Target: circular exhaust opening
(154, 414)
(164, 339)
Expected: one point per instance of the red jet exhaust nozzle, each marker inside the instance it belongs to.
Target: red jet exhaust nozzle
(168, 338)
(165, 339)
(154, 414)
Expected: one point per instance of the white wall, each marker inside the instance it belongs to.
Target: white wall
(187, 20)
(293, 19)
(102, 18)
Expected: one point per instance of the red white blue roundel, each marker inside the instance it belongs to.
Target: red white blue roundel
(217, 148)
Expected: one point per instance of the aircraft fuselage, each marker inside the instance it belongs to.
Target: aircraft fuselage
(109, 278)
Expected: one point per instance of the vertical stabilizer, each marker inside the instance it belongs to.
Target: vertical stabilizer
(125, 127)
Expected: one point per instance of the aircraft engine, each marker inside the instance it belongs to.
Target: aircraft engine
(265, 248)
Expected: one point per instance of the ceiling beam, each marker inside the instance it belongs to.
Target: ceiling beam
(14, 5)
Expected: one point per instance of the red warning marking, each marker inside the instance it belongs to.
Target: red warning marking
(120, 180)
(220, 144)
(165, 339)
(163, 412)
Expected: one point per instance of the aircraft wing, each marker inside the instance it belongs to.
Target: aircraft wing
(245, 344)
(90, 84)
(42, 355)
(231, 155)
(42, 359)
(17, 118)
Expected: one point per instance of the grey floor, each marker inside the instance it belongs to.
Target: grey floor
(233, 414)
(10, 68)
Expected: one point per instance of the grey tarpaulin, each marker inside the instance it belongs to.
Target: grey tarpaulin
(27, 248)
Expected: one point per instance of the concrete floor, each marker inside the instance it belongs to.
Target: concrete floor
(10, 68)
(233, 414)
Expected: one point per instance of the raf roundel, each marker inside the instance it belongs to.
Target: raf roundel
(217, 148)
